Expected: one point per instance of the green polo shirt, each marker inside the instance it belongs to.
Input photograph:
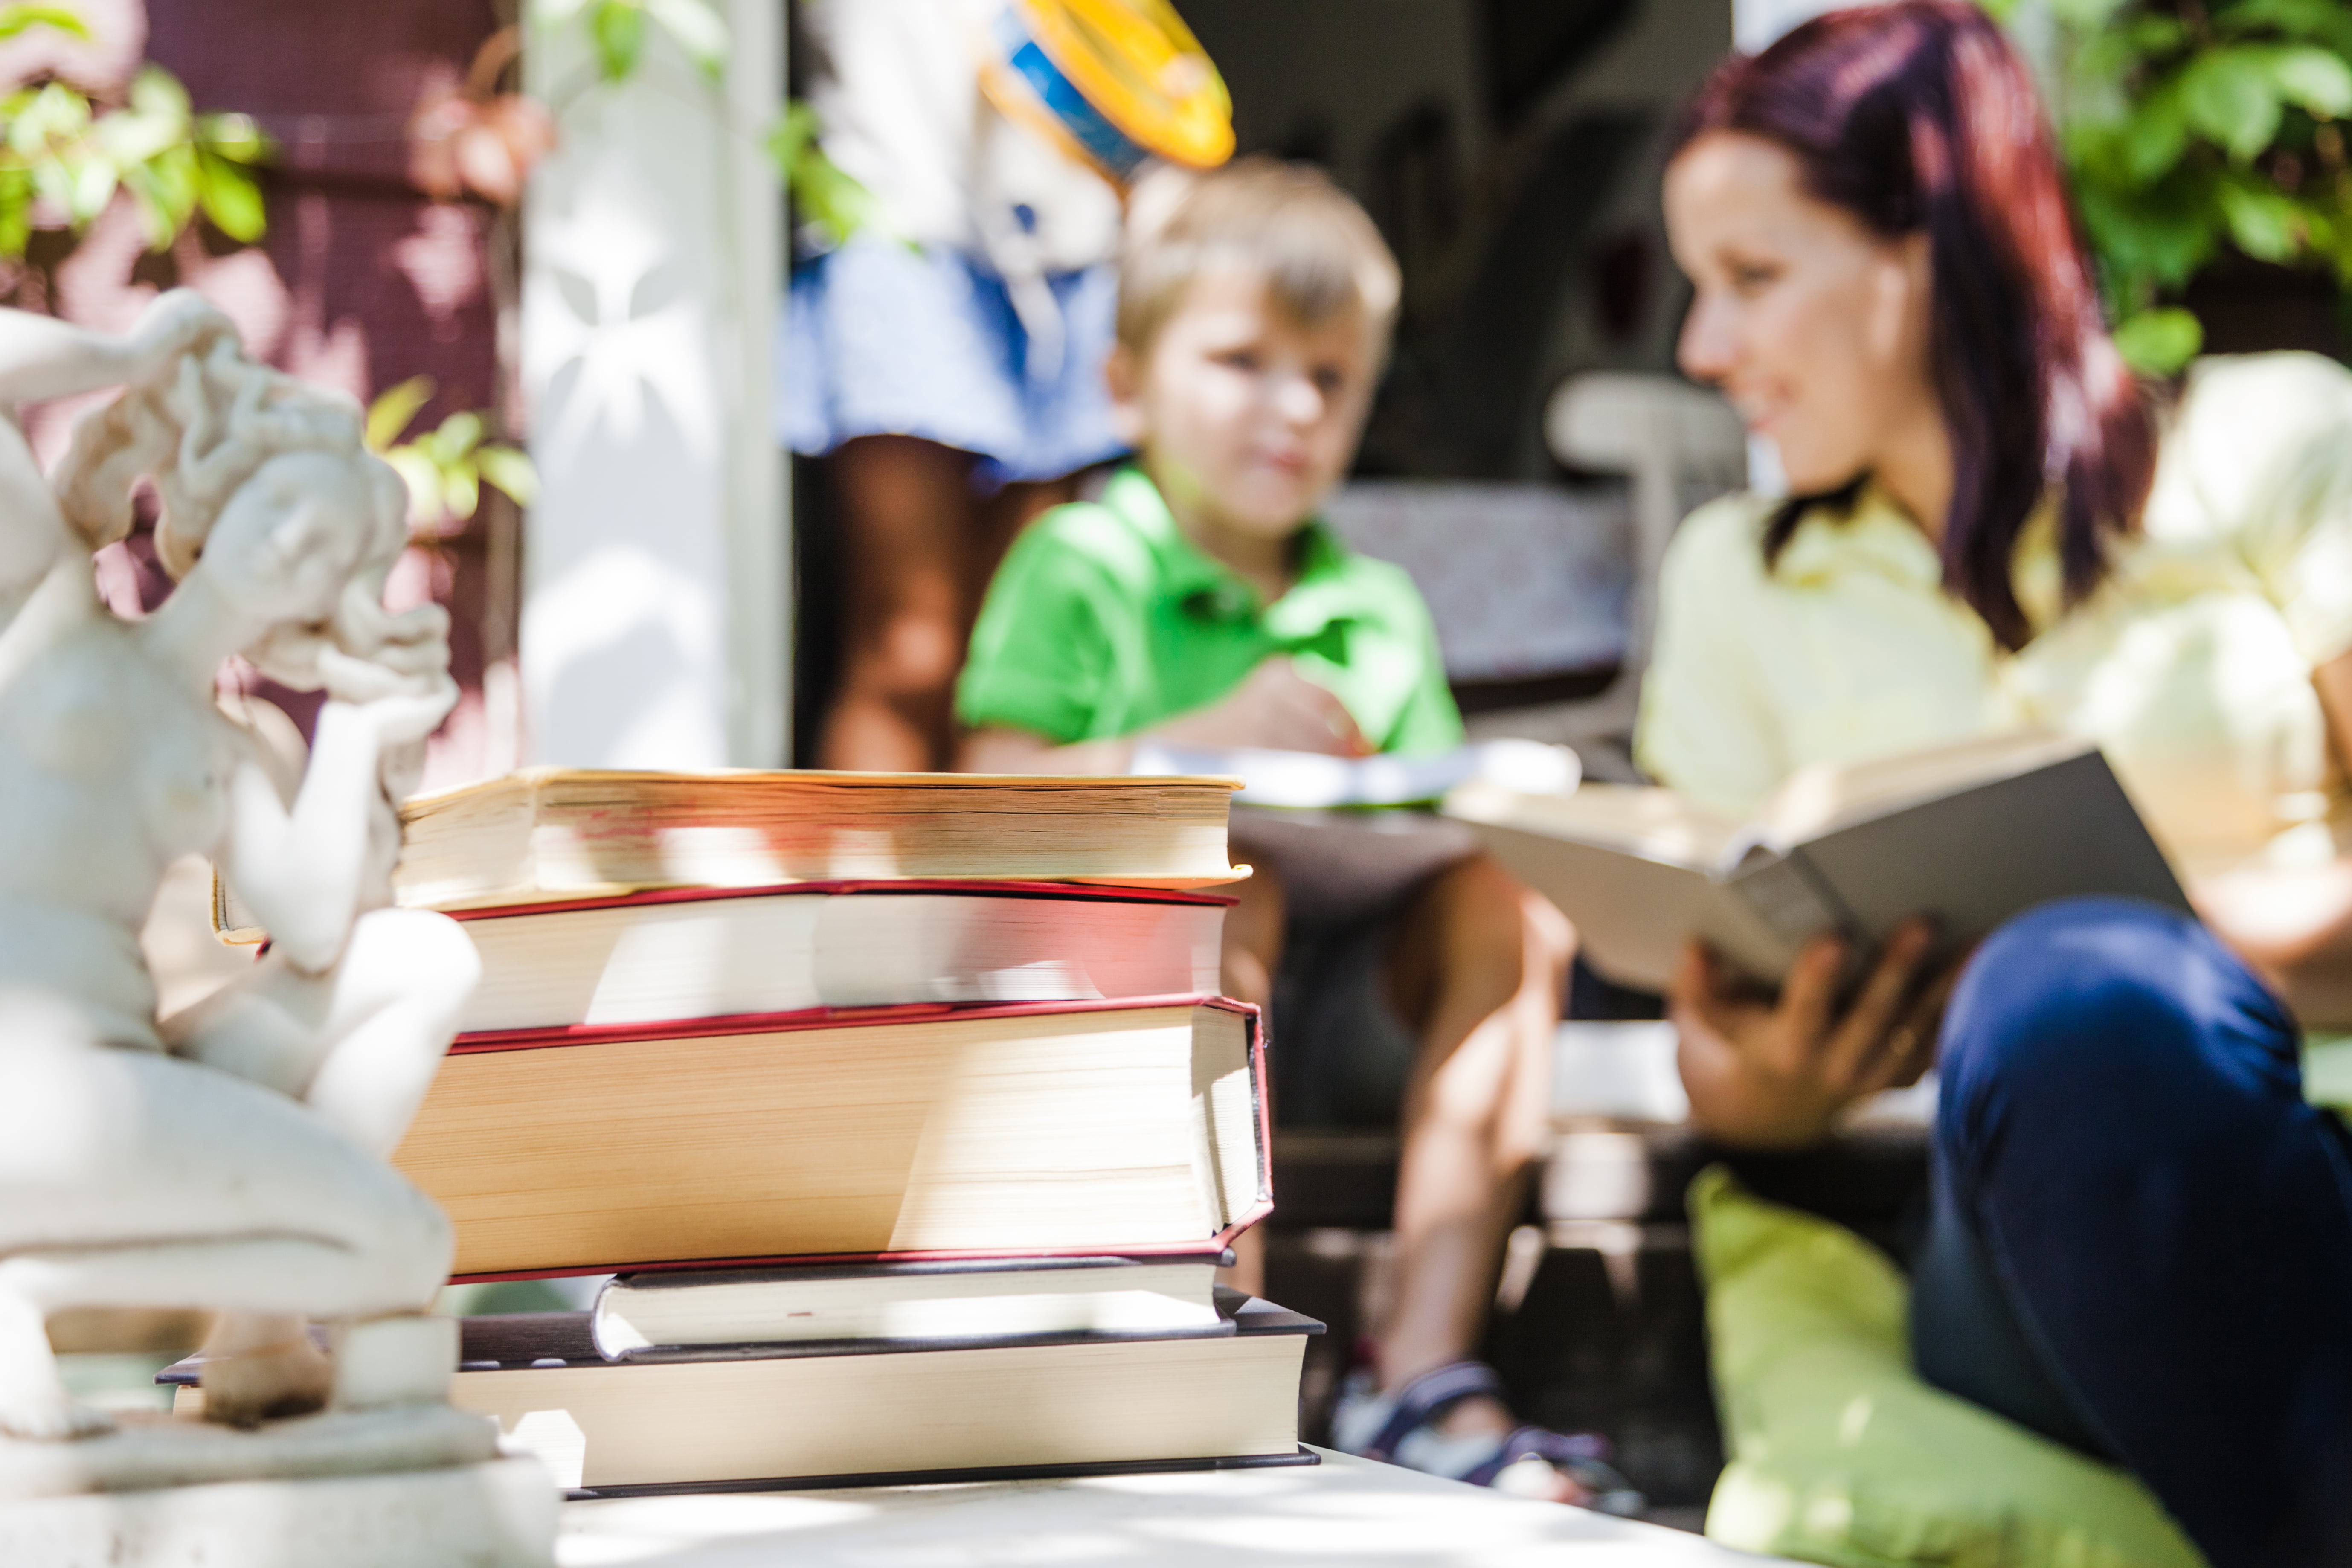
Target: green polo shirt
(1105, 620)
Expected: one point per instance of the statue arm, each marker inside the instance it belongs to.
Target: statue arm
(42, 357)
(299, 869)
(310, 871)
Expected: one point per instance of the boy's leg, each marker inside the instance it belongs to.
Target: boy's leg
(907, 518)
(2123, 1133)
(1477, 966)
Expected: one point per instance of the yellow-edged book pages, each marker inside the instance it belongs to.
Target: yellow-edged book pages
(564, 833)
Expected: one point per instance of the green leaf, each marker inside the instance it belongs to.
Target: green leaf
(423, 482)
(157, 91)
(2321, 21)
(2263, 222)
(456, 440)
(618, 29)
(2089, 15)
(698, 29)
(2160, 342)
(166, 187)
(234, 137)
(23, 18)
(2232, 97)
(15, 211)
(91, 187)
(2156, 135)
(2153, 36)
(511, 471)
(2151, 240)
(230, 198)
(55, 113)
(2313, 79)
(461, 492)
(394, 407)
(794, 130)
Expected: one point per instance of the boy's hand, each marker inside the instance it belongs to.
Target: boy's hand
(1277, 708)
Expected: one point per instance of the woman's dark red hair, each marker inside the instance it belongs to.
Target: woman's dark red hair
(1918, 116)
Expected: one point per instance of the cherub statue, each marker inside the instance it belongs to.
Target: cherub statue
(234, 1156)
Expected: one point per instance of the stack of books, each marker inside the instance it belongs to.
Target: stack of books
(903, 1110)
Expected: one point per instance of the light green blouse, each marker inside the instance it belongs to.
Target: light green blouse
(2191, 665)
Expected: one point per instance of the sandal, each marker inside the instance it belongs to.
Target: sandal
(1400, 1429)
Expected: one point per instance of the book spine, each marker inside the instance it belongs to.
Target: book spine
(1789, 897)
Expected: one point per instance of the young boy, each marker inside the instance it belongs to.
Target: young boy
(1200, 601)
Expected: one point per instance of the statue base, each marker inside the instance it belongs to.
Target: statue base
(416, 1487)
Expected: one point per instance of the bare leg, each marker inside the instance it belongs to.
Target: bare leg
(1253, 952)
(1478, 965)
(359, 1046)
(1002, 518)
(131, 1178)
(909, 516)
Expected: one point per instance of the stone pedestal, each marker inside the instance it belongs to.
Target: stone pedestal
(497, 1514)
(411, 1487)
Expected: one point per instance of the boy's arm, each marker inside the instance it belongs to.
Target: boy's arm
(998, 749)
(1275, 707)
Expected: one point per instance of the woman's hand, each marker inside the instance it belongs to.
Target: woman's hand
(2293, 925)
(1776, 1075)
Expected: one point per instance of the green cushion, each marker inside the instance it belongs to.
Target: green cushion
(1840, 1454)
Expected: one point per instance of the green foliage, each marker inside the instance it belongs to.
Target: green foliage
(63, 157)
(2192, 124)
(446, 467)
(823, 197)
(18, 19)
(617, 30)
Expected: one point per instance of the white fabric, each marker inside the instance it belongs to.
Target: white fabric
(899, 98)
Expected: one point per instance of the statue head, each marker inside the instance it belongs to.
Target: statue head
(267, 488)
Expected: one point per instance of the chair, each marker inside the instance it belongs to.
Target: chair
(1680, 445)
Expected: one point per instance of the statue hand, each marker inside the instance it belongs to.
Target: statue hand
(180, 322)
(412, 712)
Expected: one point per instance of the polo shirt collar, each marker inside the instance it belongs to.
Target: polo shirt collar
(1193, 576)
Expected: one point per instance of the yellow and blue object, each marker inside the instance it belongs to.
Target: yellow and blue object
(1119, 82)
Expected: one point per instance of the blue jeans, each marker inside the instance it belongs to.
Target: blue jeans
(2142, 1237)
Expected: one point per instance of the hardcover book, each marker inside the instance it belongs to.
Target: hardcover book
(1969, 834)
(701, 953)
(560, 833)
(1082, 1128)
(694, 1315)
(797, 1420)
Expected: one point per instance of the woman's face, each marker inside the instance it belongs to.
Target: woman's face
(1815, 327)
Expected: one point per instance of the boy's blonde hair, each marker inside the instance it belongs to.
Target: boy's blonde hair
(1318, 248)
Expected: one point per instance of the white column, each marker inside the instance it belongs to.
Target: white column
(655, 593)
(1756, 23)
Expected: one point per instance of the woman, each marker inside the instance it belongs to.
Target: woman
(2142, 1238)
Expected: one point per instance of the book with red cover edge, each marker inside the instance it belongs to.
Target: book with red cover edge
(841, 1017)
(1077, 892)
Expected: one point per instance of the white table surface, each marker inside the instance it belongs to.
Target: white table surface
(1343, 1511)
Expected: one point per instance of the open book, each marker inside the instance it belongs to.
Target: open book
(1970, 834)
